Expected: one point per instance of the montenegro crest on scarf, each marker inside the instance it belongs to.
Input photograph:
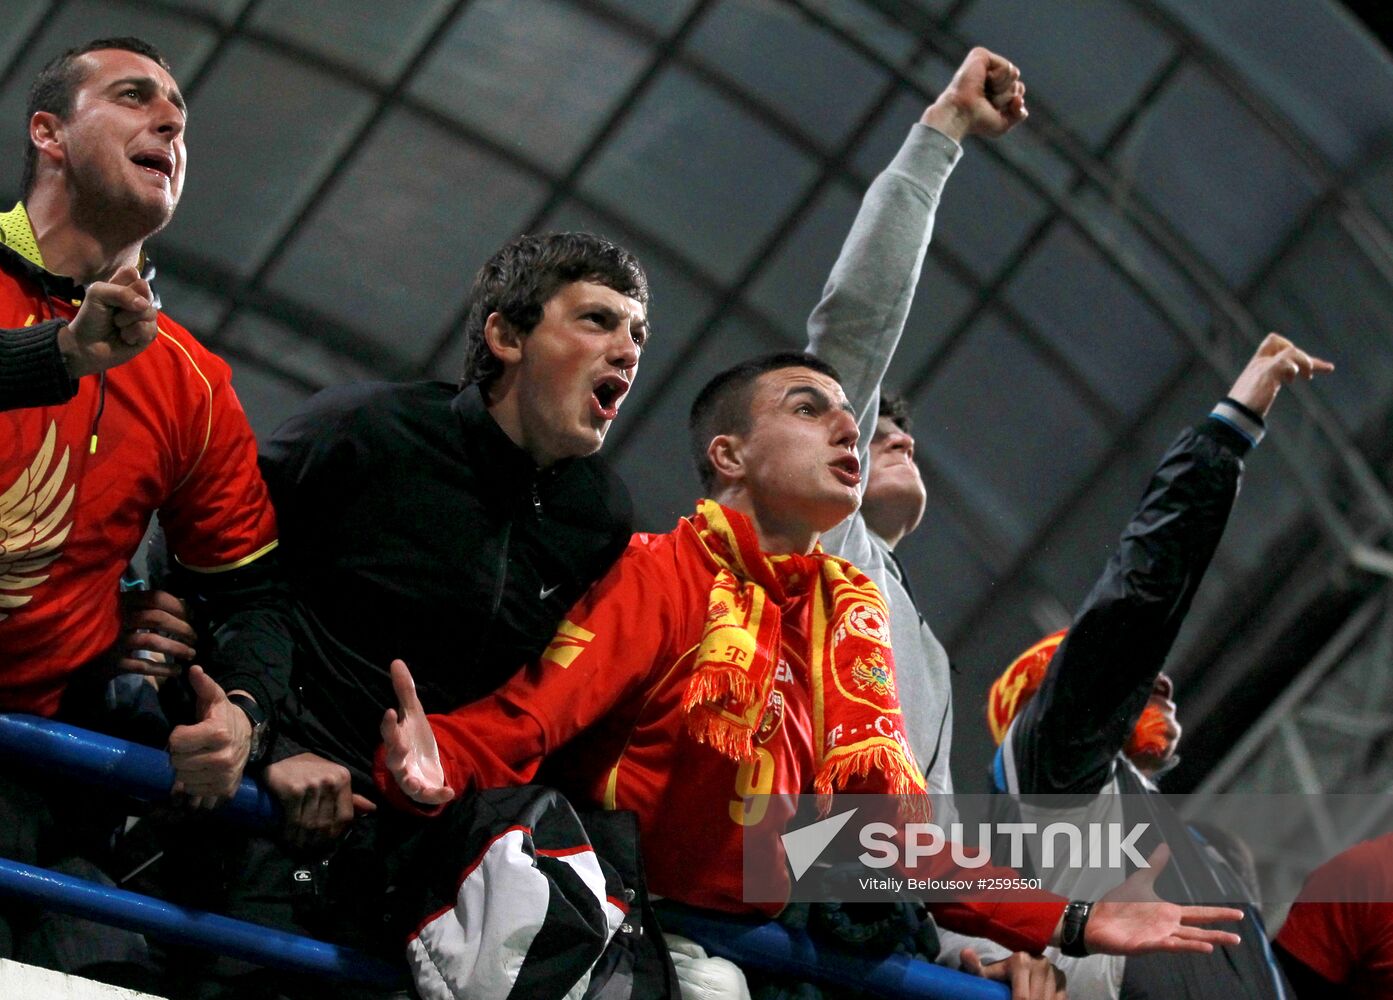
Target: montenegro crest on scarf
(873, 672)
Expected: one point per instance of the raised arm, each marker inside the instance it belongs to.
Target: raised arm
(857, 324)
(1099, 680)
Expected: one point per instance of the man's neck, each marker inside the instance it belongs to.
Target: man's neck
(502, 406)
(891, 539)
(73, 249)
(776, 536)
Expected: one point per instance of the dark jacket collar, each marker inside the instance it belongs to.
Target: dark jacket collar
(504, 469)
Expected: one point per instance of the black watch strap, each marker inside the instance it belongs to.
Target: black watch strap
(1075, 922)
(261, 725)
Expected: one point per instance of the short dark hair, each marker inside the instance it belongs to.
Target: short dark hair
(520, 278)
(896, 407)
(723, 405)
(55, 88)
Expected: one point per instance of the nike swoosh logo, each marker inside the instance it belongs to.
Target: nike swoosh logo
(548, 591)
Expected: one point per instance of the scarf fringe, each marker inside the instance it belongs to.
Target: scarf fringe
(902, 782)
(706, 726)
(711, 686)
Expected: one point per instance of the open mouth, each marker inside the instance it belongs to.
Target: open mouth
(156, 162)
(609, 390)
(847, 469)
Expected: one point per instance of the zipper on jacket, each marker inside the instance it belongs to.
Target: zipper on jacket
(502, 574)
(536, 499)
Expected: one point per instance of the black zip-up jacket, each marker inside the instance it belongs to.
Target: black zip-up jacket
(1068, 739)
(1102, 674)
(411, 526)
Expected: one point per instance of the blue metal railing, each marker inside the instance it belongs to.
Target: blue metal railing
(250, 942)
(145, 774)
(138, 771)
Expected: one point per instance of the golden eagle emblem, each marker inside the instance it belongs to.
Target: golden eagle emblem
(33, 524)
(874, 673)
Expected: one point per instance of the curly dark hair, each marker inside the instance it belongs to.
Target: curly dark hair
(520, 278)
(55, 88)
(723, 404)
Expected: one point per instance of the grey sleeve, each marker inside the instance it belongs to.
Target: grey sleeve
(32, 372)
(858, 323)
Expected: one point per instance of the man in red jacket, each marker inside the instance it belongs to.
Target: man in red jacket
(729, 659)
(110, 411)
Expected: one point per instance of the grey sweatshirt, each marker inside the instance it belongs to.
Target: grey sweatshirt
(856, 328)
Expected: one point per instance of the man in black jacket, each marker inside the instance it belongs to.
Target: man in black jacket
(451, 526)
(1093, 712)
(454, 526)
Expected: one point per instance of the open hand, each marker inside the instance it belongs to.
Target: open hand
(413, 757)
(1132, 920)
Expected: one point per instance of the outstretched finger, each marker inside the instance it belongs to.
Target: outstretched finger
(390, 728)
(1194, 916)
(205, 689)
(405, 689)
(425, 794)
(1176, 945)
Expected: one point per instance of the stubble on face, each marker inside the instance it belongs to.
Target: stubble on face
(126, 106)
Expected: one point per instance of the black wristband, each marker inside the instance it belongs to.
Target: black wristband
(1071, 934)
(261, 726)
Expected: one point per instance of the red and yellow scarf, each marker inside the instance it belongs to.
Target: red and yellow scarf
(856, 709)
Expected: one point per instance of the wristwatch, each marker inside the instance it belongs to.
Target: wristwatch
(261, 725)
(1071, 934)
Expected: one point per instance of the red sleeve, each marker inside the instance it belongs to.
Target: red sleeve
(1343, 918)
(1320, 935)
(603, 652)
(1020, 926)
(219, 515)
(1025, 923)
